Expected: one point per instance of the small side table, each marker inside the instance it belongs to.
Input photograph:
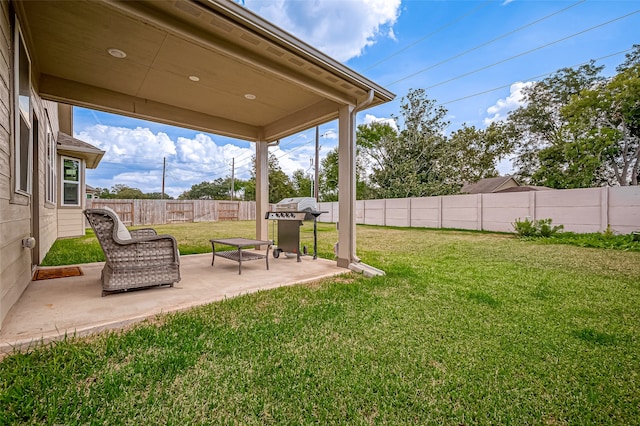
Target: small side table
(238, 255)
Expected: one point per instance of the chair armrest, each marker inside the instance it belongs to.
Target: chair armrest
(148, 251)
(144, 232)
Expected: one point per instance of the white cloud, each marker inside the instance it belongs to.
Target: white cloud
(124, 145)
(369, 118)
(134, 157)
(341, 29)
(499, 111)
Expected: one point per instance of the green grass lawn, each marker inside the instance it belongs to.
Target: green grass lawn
(465, 328)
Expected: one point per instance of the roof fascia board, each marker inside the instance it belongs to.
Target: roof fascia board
(66, 91)
(91, 159)
(258, 25)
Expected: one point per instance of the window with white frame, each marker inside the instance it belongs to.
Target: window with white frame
(23, 123)
(50, 164)
(70, 181)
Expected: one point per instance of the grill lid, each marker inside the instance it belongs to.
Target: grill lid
(300, 204)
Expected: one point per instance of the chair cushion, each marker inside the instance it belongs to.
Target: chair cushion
(121, 231)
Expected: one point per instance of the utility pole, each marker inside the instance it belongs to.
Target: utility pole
(164, 169)
(310, 181)
(316, 179)
(233, 172)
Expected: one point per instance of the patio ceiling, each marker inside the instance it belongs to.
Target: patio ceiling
(234, 53)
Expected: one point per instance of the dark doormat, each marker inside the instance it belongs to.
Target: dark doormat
(68, 271)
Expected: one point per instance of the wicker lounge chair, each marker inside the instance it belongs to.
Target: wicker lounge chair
(134, 259)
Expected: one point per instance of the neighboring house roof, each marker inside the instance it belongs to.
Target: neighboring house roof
(90, 189)
(526, 188)
(488, 185)
(209, 65)
(68, 145)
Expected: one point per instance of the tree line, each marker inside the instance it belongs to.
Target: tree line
(574, 129)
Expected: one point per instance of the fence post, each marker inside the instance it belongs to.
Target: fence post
(479, 213)
(604, 208)
(532, 205)
(384, 212)
(440, 211)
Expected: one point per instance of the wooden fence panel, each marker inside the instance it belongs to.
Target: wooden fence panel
(123, 208)
(228, 210)
(179, 212)
(159, 212)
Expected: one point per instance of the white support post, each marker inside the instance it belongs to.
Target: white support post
(262, 190)
(346, 187)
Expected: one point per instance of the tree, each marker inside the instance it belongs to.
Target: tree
(405, 164)
(329, 177)
(158, 196)
(122, 191)
(219, 189)
(606, 122)
(280, 185)
(540, 131)
(104, 193)
(329, 167)
(301, 183)
(471, 154)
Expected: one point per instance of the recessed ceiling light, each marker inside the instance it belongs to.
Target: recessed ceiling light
(117, 53)
(194, 78)
(250, 96)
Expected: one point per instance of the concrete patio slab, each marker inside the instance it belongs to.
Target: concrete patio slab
(50, 309)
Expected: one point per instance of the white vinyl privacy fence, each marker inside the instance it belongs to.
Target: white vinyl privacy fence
(579, 210)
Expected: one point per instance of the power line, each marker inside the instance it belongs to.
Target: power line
(514, 56)
(420, 40)
(532, 78)
(293, 150)
(500, 37)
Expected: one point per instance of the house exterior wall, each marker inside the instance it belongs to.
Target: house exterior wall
(579, 210)
(48, 220)
(71, 222)
(511, 183)
(16, 209)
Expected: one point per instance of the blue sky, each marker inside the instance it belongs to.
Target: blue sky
(473, 57)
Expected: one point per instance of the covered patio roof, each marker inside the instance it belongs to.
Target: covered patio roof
(208, 65)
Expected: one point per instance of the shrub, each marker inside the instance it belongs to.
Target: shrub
(537, 228)
(546, 229)
(524, 228)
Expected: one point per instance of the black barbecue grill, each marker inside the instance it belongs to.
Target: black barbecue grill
(289, 215)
